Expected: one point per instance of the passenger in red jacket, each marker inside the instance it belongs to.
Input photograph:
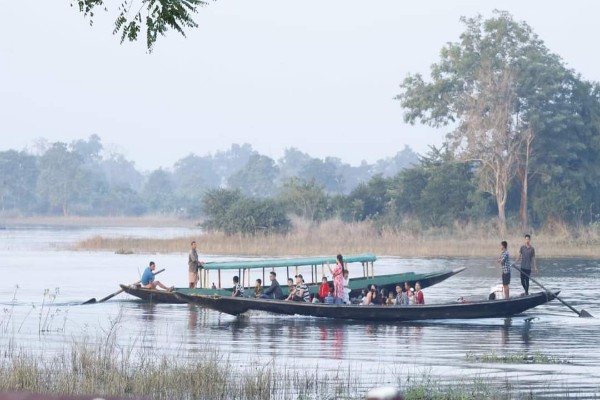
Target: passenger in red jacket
(419, 298)
(323, 289)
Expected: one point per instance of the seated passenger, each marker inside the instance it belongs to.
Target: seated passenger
(238, 289)
(419, 297)
(301, 293)
(273, 291)
(363, 296)
(411, 296)
(372, 297)
(258, 290)
(329, 298)
(148, 281)
(292, 289)
(323, 289)
(346, 281)
(401, 297)
(391, 299)
(383, 297)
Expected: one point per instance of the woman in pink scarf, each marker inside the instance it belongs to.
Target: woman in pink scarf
(338, 279)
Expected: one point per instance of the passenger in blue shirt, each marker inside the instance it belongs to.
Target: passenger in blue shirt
(148, 281)
(329, 298)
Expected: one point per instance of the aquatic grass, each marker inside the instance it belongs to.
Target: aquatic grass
(358, 237)
(103, 367)
(124, 251)
(48, 313)
(8, 311)
(516, 358)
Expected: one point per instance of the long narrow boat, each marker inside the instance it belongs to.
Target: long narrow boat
(457, 310)
(355, 284)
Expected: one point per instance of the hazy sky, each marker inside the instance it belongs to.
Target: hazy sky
(316, 75)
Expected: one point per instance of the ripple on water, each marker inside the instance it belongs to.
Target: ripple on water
(375, 352)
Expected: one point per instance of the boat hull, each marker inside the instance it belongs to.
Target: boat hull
(480, 309)
(388, 282)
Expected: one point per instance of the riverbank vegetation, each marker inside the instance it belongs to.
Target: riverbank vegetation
(333, 236)
(104, 368)
(522, 156)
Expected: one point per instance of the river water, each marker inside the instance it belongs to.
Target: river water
(43, 283)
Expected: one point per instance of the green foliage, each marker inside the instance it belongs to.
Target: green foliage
(62, 177)
(158, 192)
(517, 111)
(368, 200)
(215, 204)
(230, 212)
(256, 178)
(152, 16)
(18, 177)
(304, 198)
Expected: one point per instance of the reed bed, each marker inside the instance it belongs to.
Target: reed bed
(103, 368)
(335, 236)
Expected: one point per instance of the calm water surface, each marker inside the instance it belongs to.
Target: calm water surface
(33, 262)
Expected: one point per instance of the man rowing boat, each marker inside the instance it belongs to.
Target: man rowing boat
(148, 281)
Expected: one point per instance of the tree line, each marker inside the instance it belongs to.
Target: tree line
(523, 149)
(523, 146)
(83, 178)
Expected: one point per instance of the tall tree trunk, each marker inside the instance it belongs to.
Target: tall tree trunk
(525, 183)
(501, 215)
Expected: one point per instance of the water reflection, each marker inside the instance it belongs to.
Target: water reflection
(439, 348)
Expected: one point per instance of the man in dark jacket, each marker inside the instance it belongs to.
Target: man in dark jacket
(273, 291)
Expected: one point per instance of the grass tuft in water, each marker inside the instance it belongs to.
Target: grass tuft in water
(516, 358)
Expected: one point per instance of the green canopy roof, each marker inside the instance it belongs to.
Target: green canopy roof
(289, 262)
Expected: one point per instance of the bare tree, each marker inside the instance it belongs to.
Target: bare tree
(490, 133)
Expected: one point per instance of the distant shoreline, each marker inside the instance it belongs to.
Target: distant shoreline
(332, 237)
(146, 221)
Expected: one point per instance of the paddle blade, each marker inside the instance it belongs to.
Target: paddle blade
(585, 314)
(90, 301)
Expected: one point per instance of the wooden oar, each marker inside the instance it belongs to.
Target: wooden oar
(110, 296)
(582, 313)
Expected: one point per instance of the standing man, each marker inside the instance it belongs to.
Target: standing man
(527, 257)
(504, 262)
(193, 265)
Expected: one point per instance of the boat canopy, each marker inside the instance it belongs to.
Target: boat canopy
(289, 262)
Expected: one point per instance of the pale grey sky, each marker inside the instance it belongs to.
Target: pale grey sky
(316, 75)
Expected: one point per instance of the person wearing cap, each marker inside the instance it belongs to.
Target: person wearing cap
(148, 281)
(273, 291)
(411, 296)
(301, 293)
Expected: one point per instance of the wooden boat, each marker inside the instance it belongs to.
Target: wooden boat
(456, 310)
(245, 272)
(355, 284)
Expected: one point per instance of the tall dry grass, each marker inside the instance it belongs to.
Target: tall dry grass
(103, 368)
(335, 236)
